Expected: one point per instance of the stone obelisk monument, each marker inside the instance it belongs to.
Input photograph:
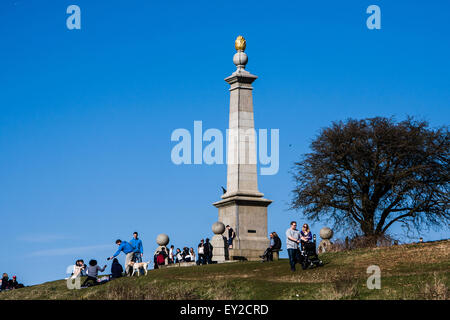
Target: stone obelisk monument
(243, 206)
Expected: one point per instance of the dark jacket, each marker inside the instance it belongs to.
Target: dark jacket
(13, 284)
(208, 248)
(277, 243)
(116, 269)
(5, 283)
(185, 252)
(307, 235)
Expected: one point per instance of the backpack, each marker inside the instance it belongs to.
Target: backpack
(160, 259)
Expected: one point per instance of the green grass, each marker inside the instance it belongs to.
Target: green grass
(407, 272)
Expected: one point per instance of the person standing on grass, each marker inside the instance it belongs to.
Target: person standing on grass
(201, 252)
(92, 272)
(192, 254)
(179, 257)
(139, 252)
(128, 250)
(171, 260)
(137, 243)
(292, 241)
(208, 251)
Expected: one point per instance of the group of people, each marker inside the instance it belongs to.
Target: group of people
(294, 239)
(170, 256)
(91, 271)
(9, 284)
(185, 255)
(134, 252)
(205, 252)
(178, 255)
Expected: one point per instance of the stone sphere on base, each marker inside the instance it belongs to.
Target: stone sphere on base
(162, 239)
(218, 227)
(326, 233)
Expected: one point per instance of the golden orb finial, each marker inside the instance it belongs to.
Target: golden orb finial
(240, 43)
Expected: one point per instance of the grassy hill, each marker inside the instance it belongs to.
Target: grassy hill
(413, 271)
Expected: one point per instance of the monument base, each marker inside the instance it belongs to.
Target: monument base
(248, 217)
(220, 249)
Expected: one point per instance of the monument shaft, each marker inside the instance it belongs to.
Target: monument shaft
(241, 156)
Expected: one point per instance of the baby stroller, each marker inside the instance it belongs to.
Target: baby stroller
(308, 255)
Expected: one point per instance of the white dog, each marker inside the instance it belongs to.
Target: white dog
(138, 265)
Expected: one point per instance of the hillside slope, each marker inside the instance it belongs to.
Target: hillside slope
(413, 271)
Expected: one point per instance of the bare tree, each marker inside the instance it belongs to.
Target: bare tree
(368, 174)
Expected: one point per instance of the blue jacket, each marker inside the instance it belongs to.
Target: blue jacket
(137, 243)
(125, 247)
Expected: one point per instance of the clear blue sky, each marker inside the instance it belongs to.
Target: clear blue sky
(86, 115)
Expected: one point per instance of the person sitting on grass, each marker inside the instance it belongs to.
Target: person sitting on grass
(116, 269)
(92, 272)
(83, 267)
(78, 269)
(14, 284)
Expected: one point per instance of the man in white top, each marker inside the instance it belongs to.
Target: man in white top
(292, 241)
(171, 254)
